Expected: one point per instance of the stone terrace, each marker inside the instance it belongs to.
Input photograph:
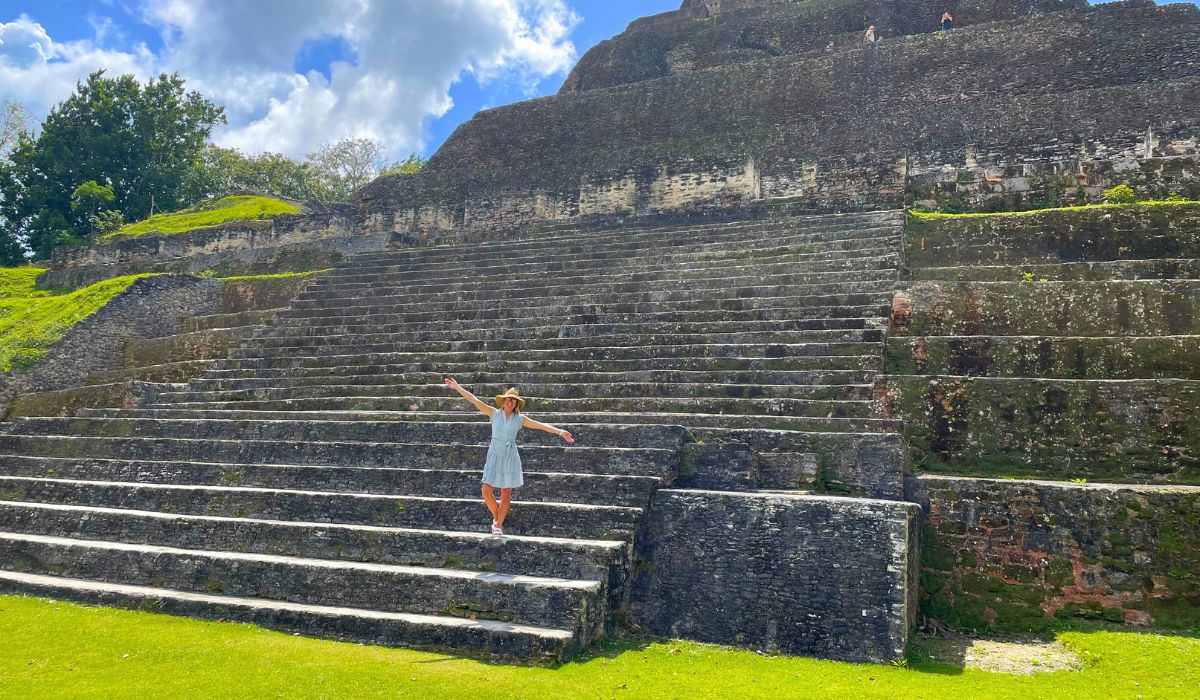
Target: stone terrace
(323, 480)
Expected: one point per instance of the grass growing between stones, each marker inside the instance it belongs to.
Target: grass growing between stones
(274, 276)
(32, 320)
(60, 650)
(1085, 207)
(210, 214)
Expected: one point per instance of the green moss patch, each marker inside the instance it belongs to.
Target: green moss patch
(30, 325)
(1084, 207)
(276, 276)
(209, 215)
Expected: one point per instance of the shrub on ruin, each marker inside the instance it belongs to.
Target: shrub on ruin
(1121, 194)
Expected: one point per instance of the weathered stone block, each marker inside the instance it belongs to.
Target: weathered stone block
(1068, 551)
(1055, 429)
(777, 571)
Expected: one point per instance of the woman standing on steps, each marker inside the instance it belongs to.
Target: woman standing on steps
(503, 467)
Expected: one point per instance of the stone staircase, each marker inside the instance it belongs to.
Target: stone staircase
(323, 480)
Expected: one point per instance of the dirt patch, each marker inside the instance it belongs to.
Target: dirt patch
(1016, 655)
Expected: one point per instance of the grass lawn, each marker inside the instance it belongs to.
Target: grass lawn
(210, 214)
(61, 650)
(32, 320)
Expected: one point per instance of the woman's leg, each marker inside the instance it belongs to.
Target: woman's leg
(489, 500)
(502, 511)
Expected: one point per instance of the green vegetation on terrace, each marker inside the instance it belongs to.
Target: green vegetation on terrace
(61, 650)
(274, 276)
(210, 214)
(1148, 203)
(32, 320)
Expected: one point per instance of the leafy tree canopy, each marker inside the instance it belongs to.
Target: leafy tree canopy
(139, 140)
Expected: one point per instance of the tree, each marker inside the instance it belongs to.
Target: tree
(218, 172)
(140, 139)
(14, 121)
(343, 167)
(91, 197)
(410, 165)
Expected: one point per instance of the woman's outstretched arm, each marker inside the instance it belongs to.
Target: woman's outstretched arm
(483, 407)
(538, 425)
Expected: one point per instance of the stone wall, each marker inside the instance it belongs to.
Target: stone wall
(1016, 555)
(705, 33)
(151, 307)
(152, 351)
(1130, 430)
(1113, 236)
(870, 465)
(1076, 86)
(812, 575)
(285, 243)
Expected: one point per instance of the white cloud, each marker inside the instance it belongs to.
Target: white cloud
(241, 54)
(39, 72)
(24, 43)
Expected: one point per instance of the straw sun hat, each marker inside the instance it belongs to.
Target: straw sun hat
(511, 394)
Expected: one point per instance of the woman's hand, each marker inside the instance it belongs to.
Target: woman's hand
(568, 437)
(451, 383)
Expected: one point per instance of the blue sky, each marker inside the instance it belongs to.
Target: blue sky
(294, 74)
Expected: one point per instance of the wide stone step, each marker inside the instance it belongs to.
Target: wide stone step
(389, 342)
(855, 256)
(396, 299)
(387, 364)
(472, 427)
(599, 560)
(869, 258)
(482, 638)
(581, 316)
(227, 380)
(549, 602)
(731, 273)
(593, 489)
(695, 232)
(574, 421)
(756, 243)
(860, 408)
(478, 332)
(584, 309)
(656, 462)
(594, 284)
(166, 373)
(283, 389)
(233, 320)
(539, 519)
(606, 353)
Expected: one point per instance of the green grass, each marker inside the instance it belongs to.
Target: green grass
(32, 320)
(1148, 203)
(275, 276)
(19, 281)
(210, 214)
(60, 650)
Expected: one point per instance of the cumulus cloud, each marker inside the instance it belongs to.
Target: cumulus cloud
(406, 54)
(40, 72)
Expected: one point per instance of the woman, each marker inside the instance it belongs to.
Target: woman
(947, 21)
(503, 467)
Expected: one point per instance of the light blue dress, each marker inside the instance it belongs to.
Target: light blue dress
(503, 467)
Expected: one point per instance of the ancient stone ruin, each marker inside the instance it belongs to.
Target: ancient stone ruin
(806, 421)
